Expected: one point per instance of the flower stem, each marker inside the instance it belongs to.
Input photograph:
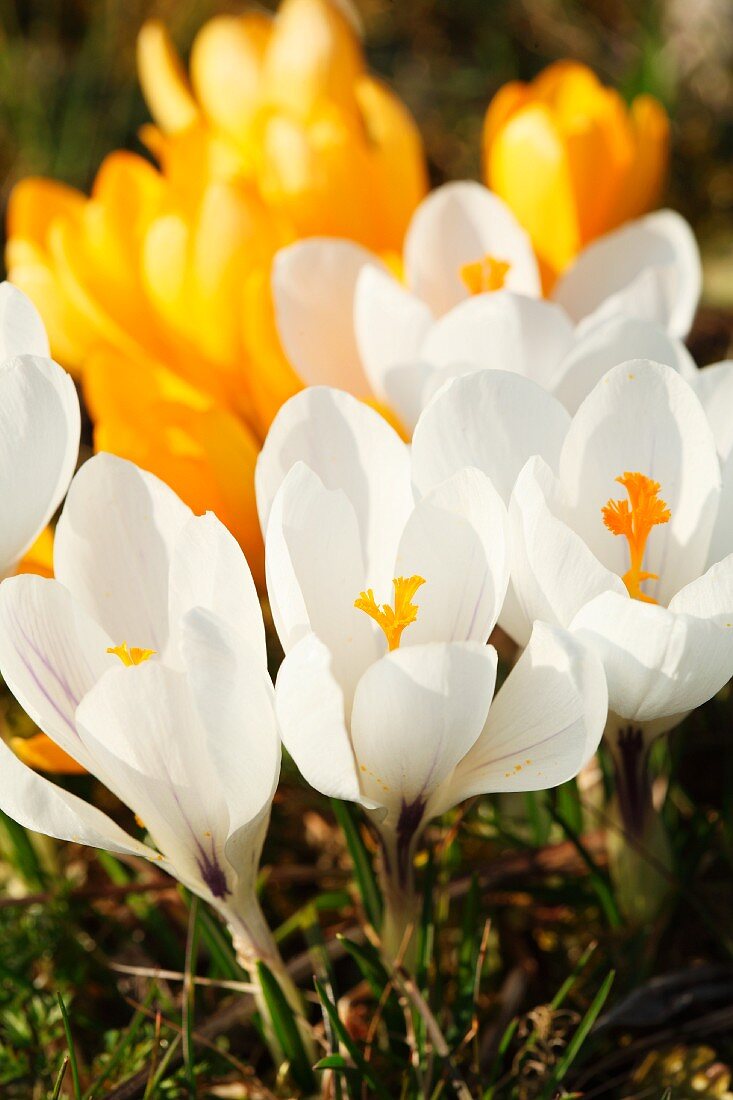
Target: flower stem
(638, 848)
(401, 901)
(253, 942)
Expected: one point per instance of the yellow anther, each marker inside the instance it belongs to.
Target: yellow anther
(634, 519)
(485, 274)
(130, 657)
(393, 620)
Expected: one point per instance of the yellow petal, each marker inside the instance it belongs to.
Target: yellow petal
(43, 754)
(314, 55)
(35, 203)
(226, 68)
(400, 171)
(270, 378)
(319, 175)
(528, 167)
(34, 207)
(507, 100)
(207, 455)
(163, 79)
(234, 234)
(647, 173)
(39, 558)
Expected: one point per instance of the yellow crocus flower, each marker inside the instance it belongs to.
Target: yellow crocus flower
(572, 160)
(155, 288)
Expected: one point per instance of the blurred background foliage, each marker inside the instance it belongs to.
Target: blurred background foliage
(68, 91)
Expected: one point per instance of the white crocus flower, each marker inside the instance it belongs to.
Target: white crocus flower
(384, 604)
(568, 567)
(144, 659)
(39, 428)
(344, 319)
(631, 294)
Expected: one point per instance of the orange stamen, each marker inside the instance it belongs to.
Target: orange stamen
(393, 620)
(132, 656)
(485, 274)
(634, 519)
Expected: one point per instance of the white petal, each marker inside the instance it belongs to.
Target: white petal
(313, 284)
(141, 723)
(658, 662)
(714, 387)
(235, 702)
(709, 596)
(661, 242)
(643, 417)
(545, 723)
(617, 341)
(456, 539)
(315, 571)
(409, 386)
(310, 711)
(553, 570)
(113, 547)
(36, 803)
(39, 443)
(51, 654)
(492, 420)
(209, 570)
(502, 331)
(390, 324)
(22, 331)
(417, 712)
(352, 448)
(458, 224)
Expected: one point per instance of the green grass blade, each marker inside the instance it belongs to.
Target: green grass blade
(600, 882)
(22, 853)
(75, 1081)
(576, 1043)
(285, 1027)
(60, 1078)
(366, 880)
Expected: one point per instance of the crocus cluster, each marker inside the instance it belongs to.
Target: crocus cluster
(486, 430)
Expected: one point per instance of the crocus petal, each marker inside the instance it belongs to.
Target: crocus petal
(315, 571)
(545, 723)
(313, 284)
(352, 448)
(662, 243)
(51, 654)
(617, 341)
(390, 325)
(39, 443)
(456, 539)
(142, 726)
(644, 417)
(553, 571)
(235, 702)
(502, 331)
(714, 388)
(417, 712)
(22, 331)
(113, 548)
(658, 661)
(209, 570)
(492, 420)
(40, 805)
(310, 711)
(458, 224)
